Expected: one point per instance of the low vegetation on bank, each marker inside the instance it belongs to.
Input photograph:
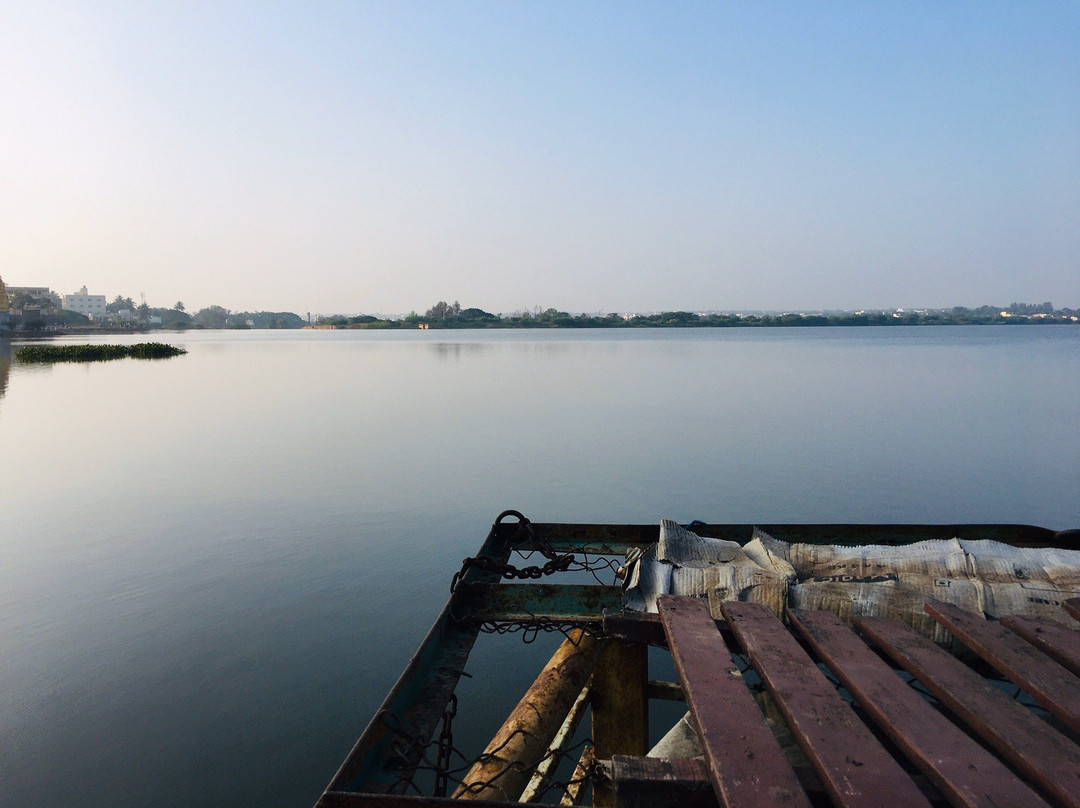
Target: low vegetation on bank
(452, 315)
(43, 315)
(96, 353)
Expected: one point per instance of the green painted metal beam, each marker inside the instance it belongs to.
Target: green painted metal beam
(485, 602)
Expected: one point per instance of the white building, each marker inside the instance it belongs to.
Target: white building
(93, 306)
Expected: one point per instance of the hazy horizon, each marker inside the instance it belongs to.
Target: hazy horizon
(382, 156)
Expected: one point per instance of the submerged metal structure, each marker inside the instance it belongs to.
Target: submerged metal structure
(808, 712)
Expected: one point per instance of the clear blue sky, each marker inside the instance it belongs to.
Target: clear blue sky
(619, 156)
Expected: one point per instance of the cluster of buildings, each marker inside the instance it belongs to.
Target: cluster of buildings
(27, 304)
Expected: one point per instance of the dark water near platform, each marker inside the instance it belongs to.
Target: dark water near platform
(213, 567)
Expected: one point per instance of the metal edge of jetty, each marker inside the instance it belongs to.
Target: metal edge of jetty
(880, 715)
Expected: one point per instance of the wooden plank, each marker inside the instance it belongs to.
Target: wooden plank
(684, 783)
(854, 767)
(963, 770)
(634, 627)
(1060, 643)
(746, 765)
(1072, 608)
(1037, 750)
(1049, 683)
(646, 782)
(620, 707)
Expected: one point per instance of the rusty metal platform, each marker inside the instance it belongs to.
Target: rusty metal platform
(807, 711)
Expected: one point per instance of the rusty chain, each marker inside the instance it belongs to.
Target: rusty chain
(445, 748)
(525, 543)
(525, 533)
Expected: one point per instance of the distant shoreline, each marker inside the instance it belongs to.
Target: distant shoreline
(684, 320)
(400, 325)
(445, 316)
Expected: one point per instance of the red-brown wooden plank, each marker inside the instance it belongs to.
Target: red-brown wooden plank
(853, 766)
(1060, 643)
(648, 782)
(1049, 683)
(961, 769)
(1037, 750)
(746, 765)
(1072, 607)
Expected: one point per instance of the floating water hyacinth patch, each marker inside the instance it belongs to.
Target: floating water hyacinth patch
(96, 353)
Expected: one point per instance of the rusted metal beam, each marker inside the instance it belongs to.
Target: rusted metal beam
(385, 756)
(964, 771)
(504, 769)
(644, 627)
(581, 778)
(854, 767)
(390, 747)
(665, 691)
(553, 757)
(746, 767)
(1025, 666)
(620, 706)
(1031, 745)
(348, 799)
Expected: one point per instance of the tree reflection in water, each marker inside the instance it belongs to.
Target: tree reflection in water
(5, 364)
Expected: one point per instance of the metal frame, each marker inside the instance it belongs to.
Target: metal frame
(381, 763)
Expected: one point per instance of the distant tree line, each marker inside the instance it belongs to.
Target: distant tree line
(452, 315)
(46, 313)
(218, 317)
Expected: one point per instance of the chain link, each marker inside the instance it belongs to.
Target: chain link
(525, 533)
(447, 774)
(445, 748)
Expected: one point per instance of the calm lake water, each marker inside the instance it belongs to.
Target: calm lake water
(212, 568)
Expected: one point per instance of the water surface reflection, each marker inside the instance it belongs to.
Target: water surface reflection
(220, 563)
(5, 364)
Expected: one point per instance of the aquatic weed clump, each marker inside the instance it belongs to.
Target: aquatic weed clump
(96, 353)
